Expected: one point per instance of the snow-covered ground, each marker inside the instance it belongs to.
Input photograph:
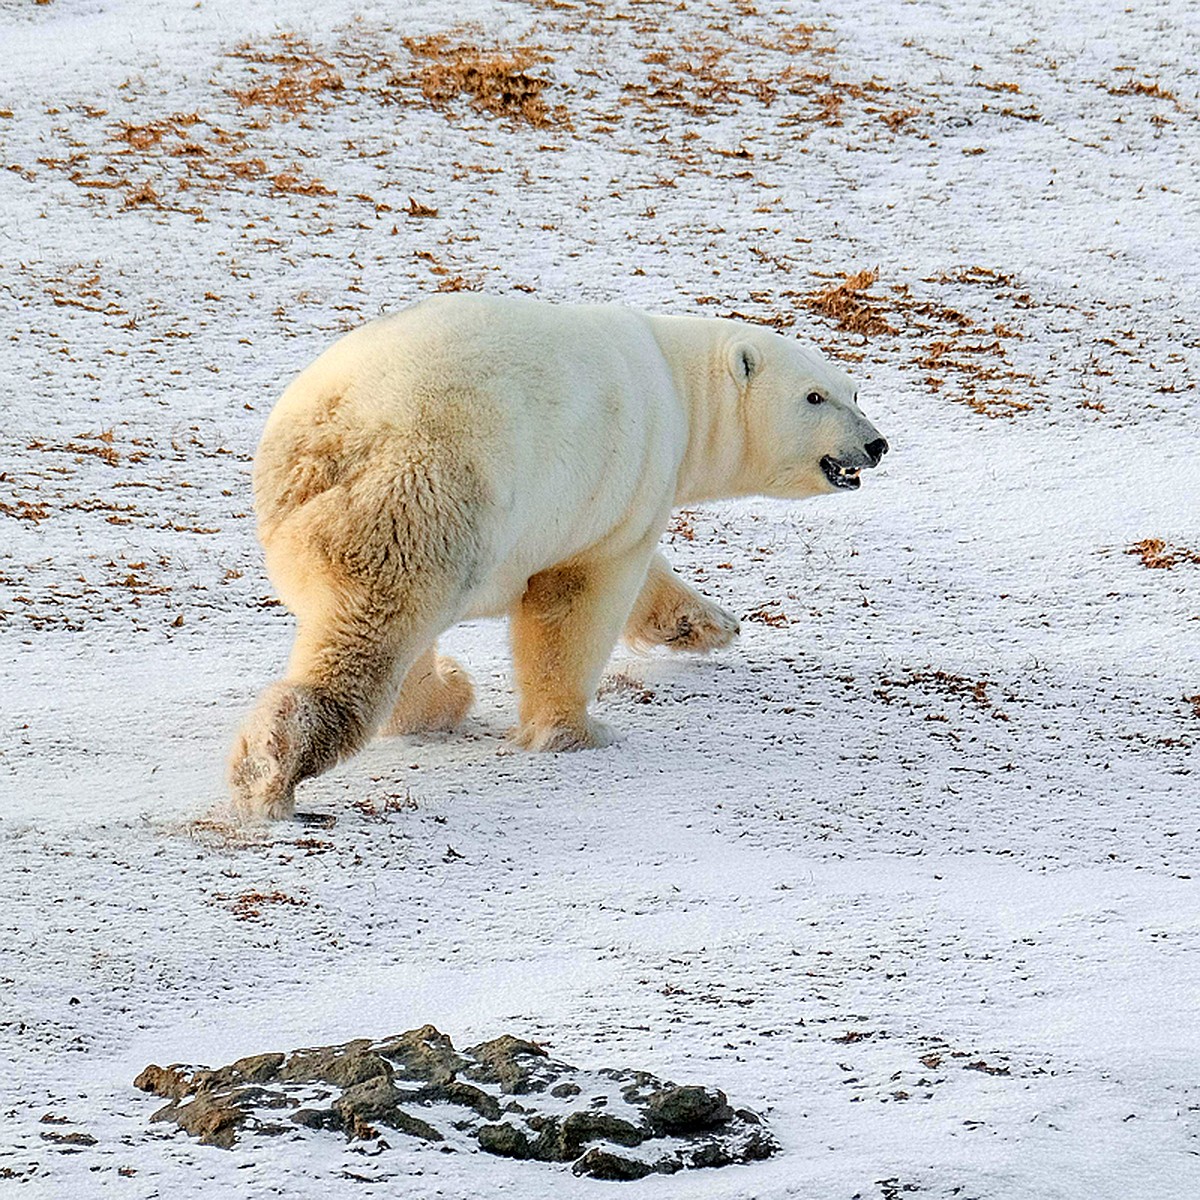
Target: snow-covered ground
(911, 868)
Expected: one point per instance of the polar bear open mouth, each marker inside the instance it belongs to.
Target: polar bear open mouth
(840, 475)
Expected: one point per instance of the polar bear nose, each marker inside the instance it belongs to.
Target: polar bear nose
(876, 450)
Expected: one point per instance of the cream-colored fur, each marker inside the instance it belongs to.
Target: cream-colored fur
(669, 612)
(436, 694)
(477, 456)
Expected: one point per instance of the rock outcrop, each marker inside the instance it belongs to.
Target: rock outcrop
(506, 1097)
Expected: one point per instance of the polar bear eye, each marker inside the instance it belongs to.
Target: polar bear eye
(815, 398)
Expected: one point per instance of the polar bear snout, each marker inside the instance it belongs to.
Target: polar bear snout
(876, 450)
(842, 472)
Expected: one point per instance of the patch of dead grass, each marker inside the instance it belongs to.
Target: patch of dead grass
(500, 81)
(302, 78)
(897, 119)
(960, 354)
(947, 684)
(1159, 555)
(386, 806)
(25, 510)
(155, 161)
(851, 306)
(153, 133)
(682, 526)
(249, 905)
(81, 286)
(777, 619)
(1137, 87)
(142, 194)
(619, 683)
(417, 209)
(293, 183)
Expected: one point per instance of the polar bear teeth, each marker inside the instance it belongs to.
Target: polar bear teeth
(840, 476)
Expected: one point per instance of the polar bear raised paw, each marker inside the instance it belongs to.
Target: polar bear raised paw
(262, 766)
(671, 613)
(295, 731)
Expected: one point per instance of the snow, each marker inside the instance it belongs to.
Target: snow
(814, 859)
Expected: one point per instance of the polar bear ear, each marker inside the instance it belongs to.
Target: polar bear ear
(745, 361)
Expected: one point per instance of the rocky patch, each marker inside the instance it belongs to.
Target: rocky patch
(506, 1097)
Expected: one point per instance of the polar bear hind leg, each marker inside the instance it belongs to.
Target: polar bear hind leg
(671, 613)
(436, 695)
(563, 630)
(374, 575)
(342, 677)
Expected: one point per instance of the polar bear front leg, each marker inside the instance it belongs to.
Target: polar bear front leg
(563, 630)
(671, 613)
(436, 694)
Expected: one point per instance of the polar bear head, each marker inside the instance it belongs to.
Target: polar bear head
(805, 433)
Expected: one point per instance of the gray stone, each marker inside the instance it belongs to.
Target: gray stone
(171, 1082)
(710, 1154)
(340, 1065)
(258, 1068)
(509, 1061)
(424, 1053)
(377, 1100)
(603, 1164)
(583, 1127)
(213, 1119)
(688, 1109)
(317, 1118)
(457, 1092)
(505, 1140)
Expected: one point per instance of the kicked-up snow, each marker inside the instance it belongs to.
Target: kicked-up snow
(911, 870)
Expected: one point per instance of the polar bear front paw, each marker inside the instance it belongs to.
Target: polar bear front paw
(705, 629)
(697, 628)
(555, 736)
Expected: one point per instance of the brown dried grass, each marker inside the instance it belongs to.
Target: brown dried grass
(766, 616)
(295, 184)
(304, 77)
(900, 117)
(249, 905)
(142, 194)
(965, 355)
(1135, 87)
(851, 306)
(151, 133)
(417, 209)
(1159, 555)
(25, 510)
(497, 81)
(948, 685)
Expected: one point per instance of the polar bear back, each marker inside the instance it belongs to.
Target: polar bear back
(567, 415)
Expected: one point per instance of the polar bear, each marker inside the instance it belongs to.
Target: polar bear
(479, 456)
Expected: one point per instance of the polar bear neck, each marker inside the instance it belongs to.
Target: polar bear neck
(715, 464)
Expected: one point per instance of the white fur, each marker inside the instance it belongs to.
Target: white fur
(476, 456)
